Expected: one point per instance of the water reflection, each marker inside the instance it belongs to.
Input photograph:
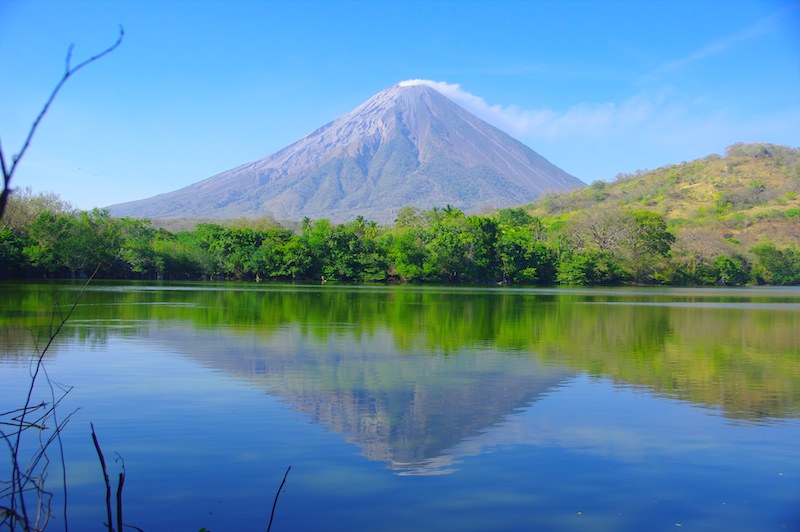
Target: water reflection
(405, 409)
(409, 374)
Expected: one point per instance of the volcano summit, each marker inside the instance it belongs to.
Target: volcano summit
(408, 145)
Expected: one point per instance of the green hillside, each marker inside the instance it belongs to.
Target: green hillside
(750, 195)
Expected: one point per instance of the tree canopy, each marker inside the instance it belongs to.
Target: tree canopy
(729, 220)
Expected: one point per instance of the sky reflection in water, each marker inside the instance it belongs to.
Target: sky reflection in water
(409, 408)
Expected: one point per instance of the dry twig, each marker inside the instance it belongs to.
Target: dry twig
(69, 71)
(277, 494)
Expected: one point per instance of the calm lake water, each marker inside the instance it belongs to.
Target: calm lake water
(420, 408)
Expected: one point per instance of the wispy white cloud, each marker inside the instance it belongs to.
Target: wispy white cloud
(645, 130)
(510, 117)
(584, 120)
(722, 45)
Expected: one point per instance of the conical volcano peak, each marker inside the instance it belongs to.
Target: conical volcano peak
(418, 88)
(408, 93)
(408, 145)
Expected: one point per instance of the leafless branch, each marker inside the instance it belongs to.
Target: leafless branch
(120, 483)
(28, 479)
(102, 459)
(69, 71)
(277, 494)
(61, 445)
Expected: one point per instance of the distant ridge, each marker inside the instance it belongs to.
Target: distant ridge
(408, 145)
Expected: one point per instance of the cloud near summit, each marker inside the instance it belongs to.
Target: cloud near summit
(663, 117)
(585, 120)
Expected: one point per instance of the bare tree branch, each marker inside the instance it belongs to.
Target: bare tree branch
(109, 522)
(69, 71)
(277, 494)
(29, 478)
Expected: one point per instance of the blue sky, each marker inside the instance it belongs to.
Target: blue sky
(198, 87)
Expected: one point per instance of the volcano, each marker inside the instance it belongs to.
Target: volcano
(408, 145)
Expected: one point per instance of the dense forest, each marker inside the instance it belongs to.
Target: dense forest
(729, 220)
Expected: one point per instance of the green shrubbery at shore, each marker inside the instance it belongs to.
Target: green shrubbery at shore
(612, 246)
(729, 220)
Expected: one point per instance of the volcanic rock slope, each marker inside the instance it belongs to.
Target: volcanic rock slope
(408, 145)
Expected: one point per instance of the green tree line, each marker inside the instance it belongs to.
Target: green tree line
(40, 236)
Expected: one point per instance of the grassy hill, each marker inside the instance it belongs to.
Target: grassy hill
(749, 196)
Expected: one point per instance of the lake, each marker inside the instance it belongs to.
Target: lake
(418, 408)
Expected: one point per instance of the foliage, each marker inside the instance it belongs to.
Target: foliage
(605, 246)
(777, 266)
(649, 227)
(590, 267)
(523, 256)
